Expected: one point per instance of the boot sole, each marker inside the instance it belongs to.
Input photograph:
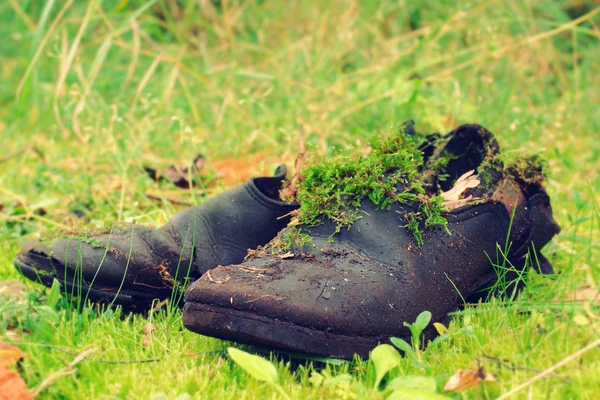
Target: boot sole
(249, 328)
(124, 297)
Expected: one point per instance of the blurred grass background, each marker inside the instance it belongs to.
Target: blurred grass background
(91, 91)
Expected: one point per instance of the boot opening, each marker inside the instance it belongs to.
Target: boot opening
(460, 151)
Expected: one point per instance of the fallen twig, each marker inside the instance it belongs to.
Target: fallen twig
(159, 304)
(100, 360)
(14, 154)
(252, 269)
(548, 371)
(220, 282)
(170, 200)
(504, 363)
(142, 361)
(285, 215)
(69, 369)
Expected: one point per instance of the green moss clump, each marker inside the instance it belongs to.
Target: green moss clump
(90, 241)
(334, 189)
(295, 237)
(88, 236)
(530, 169)
(526, 169)
(490, 171)
(288, 239)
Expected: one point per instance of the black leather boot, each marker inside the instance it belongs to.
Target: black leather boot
(339, 292)
(139, 264)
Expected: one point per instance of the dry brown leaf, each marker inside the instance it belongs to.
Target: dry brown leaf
(366, 151)
(148, 331)
(180, 175)
(12, 289)
(228, 172)
(16, 334)
(467, 181)
(12, 386)
(9, 354)
(463, 380)
(233, 171)
(585, 294)
(170, 196)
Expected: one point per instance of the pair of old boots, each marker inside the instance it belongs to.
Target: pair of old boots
(330, 283)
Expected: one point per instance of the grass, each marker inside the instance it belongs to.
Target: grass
(92, 92)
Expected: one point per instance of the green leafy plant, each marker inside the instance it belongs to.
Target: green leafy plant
(384, 357)
(54, 296)
(33, 313)
(326, 378)
(414, 394)
(416, 328)
(445, 334)
(344, 385)
(412, 382)
(419, 326)
(258, 368)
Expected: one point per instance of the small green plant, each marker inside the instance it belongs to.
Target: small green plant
(33, 313)
(416, 328)
(326, 378)
(412, 382)
(384, 357)
(258, 368)
(295, 238)
(344, 385)
(444, 334)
